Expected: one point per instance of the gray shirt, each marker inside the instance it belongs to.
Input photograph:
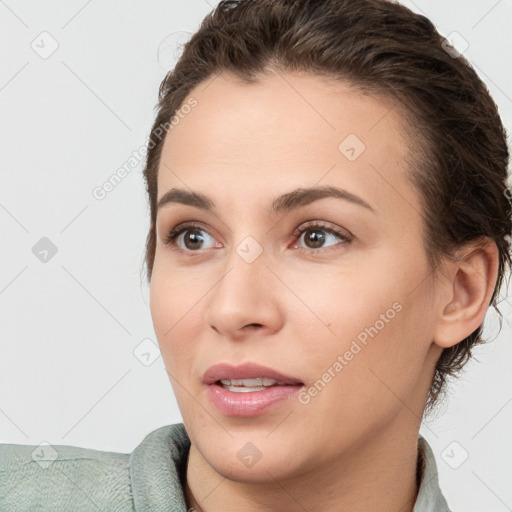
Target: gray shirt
(430, 498)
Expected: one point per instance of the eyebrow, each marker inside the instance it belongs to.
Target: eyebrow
(284, 203)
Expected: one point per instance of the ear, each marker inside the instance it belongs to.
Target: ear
(469, 287)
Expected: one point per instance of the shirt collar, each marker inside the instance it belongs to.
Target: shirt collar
(430, 498)
(158, 464)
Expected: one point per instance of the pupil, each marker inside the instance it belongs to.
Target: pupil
(317, 238)
(194, 237)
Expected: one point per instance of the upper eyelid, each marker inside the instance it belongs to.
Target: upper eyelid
(185, 225)
(322, 224)
(325, 225)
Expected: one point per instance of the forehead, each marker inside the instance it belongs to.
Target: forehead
(287, 129)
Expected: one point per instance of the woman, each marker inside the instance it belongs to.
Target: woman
(329, 225)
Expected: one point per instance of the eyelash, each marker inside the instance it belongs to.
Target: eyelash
(322, 225)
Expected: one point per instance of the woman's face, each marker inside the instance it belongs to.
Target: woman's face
(347, 306)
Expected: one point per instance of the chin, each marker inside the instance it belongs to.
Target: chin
(260, 473)
(257, 462)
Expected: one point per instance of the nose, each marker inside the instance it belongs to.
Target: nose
(245, 299)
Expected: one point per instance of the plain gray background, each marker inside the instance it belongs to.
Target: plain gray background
(73, 328)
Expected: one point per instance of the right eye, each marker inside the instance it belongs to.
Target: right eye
(190, 234)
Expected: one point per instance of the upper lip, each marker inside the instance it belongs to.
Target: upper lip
(245, 371)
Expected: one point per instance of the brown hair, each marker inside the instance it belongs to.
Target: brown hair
(458, 149)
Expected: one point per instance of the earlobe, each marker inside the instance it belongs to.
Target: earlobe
(470, 291)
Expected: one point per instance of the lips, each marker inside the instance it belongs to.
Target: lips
(246, 371)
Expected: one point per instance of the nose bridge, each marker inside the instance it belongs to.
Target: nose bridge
(243, 295)
(246, 273)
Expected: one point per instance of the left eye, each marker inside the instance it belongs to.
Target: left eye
(313, 231)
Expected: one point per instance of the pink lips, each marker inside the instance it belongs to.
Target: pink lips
(249, 403)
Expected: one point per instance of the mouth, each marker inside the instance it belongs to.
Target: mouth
(248, 390)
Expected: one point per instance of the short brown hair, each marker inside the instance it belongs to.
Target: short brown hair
(456, 136)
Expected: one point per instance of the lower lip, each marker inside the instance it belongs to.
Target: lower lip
(249, 403)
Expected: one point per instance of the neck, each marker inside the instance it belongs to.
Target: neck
(378, 474)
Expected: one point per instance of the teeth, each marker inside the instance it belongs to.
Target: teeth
(243, 389)
(250, 383)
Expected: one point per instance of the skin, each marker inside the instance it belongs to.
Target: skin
(298, 305)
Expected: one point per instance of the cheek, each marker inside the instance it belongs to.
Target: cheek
(365, 342)
(175, 320)
(175, 309)
(174, 292)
